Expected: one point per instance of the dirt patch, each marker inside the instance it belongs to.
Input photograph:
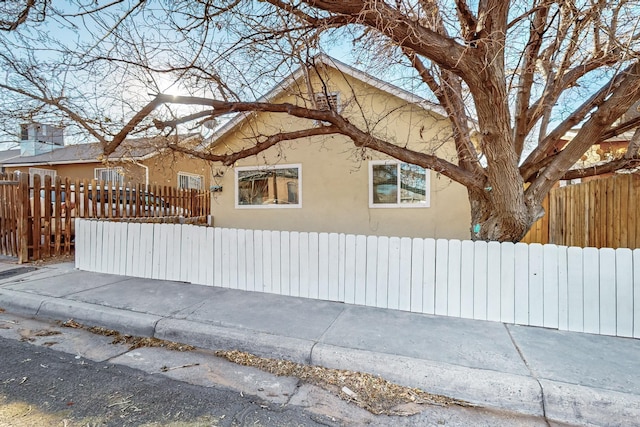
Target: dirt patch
(371, 392)
(55, 259)
(132, 341)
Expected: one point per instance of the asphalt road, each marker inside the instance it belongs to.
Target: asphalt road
(58, 376)
(114, 395)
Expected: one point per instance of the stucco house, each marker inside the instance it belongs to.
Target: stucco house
(326, 183)
(137, 160)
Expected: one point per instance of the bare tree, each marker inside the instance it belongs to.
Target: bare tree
(524, 71)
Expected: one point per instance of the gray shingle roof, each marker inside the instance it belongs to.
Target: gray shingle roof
(134, 149)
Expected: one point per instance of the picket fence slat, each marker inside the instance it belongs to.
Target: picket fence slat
(382, 272)
(429, 277)
(314, 265)
(550, 292)
(441, 276)
(304, 265)
(480, 281)
(636, 292)
(536, 285)
(568, 288)
(466, 279)
(333, 272)
(608, 298)
(360, 284)
(507, 280)
(624, 292)
(393, 296)
(591, 280)
(372, 259)
(453, 278)
(493, 281)
(521, 284)
(417, 271)
(350, 266)
(294, 263)
(404, 302)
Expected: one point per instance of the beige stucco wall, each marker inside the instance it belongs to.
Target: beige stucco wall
(335, 173)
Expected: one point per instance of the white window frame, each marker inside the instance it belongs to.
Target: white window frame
(191, 179)
(117, 172)
(425, 204)
(42, 172)
(268, 206)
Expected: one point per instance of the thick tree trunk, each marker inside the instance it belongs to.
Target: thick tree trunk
(492, 222)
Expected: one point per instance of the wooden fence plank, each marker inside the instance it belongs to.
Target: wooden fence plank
(536, 285)
(304, 265)
(225, 261)
(208, 250)
(258, 247)
(382, 272)
(242, 259)
(285, 273)
(371, 281)
(563, 291)
(342, 248)
(521, 291)
(393, 296)
(350, 268)
(454, 285)
(323, 265)
(467, 250)
(294, 263)
(608, 291)
(441, 276)
(417, 270)
(624, 292)
(232, 257)
(361, 270)
(404, 302)
(429, 277)
(493, 281)
(314, 265)
(550, 286)
(636, 292)
(591, 275)
(480, 281)
(333, 288)
(507, 282)
(575, 290)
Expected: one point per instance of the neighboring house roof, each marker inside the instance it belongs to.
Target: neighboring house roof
(130, 149)
(7, 155)
(346, 70)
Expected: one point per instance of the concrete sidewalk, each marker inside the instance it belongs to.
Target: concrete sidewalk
(566, 377)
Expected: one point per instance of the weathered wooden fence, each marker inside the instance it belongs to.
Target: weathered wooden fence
(9, 234)
(37, 217)
(598, 213)
(587, 290)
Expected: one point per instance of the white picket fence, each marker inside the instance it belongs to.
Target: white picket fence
(586, 290)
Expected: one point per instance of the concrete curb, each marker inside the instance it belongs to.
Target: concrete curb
(509, 392)
(22, 303)
(588, 406)
(214, 337)
(126, 322)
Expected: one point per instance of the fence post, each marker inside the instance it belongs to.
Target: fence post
(23, 219)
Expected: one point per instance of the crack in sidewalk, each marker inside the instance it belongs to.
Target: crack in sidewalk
(532, 372)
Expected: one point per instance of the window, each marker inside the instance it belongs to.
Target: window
(189, 181)
(42, 173)
(329, 101)
(269, 187)
(114, 175)
(394, 184)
